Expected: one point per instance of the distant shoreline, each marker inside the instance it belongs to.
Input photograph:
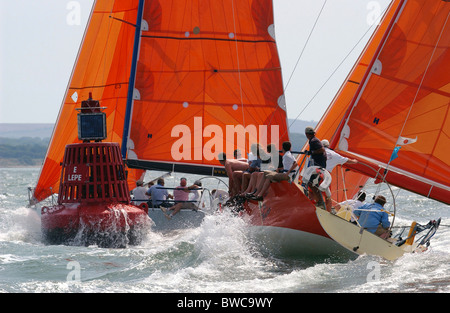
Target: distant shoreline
(11, 163)
(13, 134)
(17, 130)
(44, 130)
(8, 167)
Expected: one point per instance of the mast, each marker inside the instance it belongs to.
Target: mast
(137, 39)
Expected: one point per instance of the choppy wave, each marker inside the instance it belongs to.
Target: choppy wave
(218, 256)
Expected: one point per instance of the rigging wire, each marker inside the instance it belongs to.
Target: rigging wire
(304, 47)
(298, 60)
(390, 191)
(334, 71)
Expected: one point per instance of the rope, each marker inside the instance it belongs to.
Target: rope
(238, 64)
(343, 181)
(304, 47)
(332, 74)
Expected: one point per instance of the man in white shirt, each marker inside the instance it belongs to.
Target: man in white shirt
(334, 158)
(139, 195)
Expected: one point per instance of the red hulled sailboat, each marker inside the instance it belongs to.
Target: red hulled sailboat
(183, 81)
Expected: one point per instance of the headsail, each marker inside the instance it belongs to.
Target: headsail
(346, 184)
(208, 75)
(210, 68)
(102, 68)
(398, 122)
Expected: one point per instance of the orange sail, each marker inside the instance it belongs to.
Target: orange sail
(204, 76)
(208, 81)
(102, 68)
(398, 123)
(346, 184)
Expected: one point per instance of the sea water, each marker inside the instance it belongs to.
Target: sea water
(219, 256)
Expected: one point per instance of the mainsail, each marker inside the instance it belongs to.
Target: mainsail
(208, 76)
(187, 80)
(397, 124)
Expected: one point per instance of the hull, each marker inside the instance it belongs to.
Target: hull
(104, 224)
(286, 222)
(182, 220)
(291, 243)
(361, 241)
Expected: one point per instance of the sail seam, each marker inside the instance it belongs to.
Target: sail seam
(98, 86)
(419, 88)
(383, 167)
(208, 38)
(123, 21)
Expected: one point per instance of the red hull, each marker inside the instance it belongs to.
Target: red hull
(104, 224)
(286, 206)
(286, 223)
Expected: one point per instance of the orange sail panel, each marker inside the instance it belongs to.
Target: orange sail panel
(346, 184)
(102, 68)
(334, 114)
(208, 81)
(401, 117)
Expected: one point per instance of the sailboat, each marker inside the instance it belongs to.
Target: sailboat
(182, 83)
(174, 80)
(391, 114)
(394, 117)
(382, 111)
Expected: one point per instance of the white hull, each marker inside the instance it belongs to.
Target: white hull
(182, 220)
(359, 240)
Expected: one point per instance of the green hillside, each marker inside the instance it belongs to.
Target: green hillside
(25, 151)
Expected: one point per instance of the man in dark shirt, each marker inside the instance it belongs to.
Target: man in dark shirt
(317, 151)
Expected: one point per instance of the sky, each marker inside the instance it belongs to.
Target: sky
(39, 42)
